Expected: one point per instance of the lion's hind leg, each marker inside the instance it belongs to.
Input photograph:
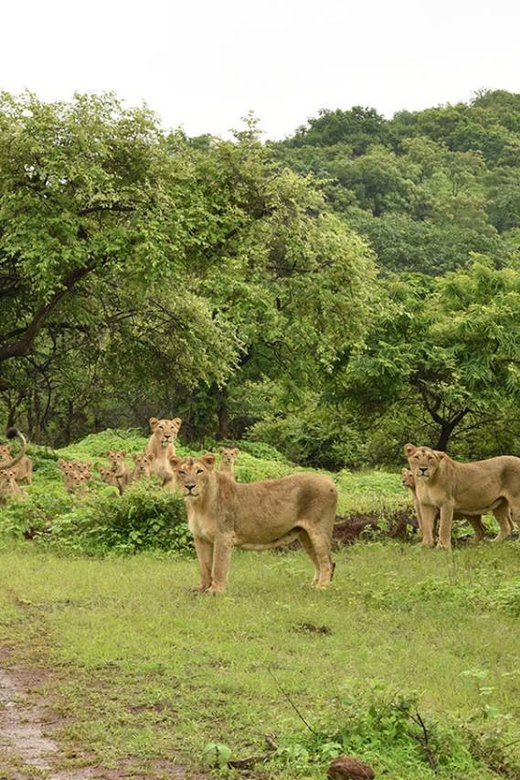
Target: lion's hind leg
(320, 540)
(478, 526)
(503, 517)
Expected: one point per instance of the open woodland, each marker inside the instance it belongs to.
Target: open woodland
(316, 302)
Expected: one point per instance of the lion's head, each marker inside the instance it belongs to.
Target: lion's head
(407, 479)
(5, 452)
(193, 473)
(228, 456)
(142, 463)
(108, 475)
(165, 431)
(116, 457)
(7, 477)
(423, 461)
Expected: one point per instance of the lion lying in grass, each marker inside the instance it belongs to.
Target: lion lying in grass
(447, 486)
(223, 514)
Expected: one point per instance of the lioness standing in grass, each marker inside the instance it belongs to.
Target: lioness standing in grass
(475, 521)
(223, 514)
(446, 486)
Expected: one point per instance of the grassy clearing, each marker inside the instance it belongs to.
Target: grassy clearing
(144, 669)
(142, 674)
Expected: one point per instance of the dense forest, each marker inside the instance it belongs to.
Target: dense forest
(336, 294)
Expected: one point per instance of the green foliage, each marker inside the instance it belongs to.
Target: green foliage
(143, 518)
(385, 728)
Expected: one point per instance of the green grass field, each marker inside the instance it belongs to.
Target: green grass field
(410, 661)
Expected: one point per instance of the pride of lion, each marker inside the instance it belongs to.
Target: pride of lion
(223, 513)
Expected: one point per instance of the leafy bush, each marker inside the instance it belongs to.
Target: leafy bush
(145, 517)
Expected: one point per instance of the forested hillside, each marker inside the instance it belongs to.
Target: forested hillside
(336, 294)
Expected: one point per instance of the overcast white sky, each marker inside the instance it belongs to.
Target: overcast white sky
(204, 64)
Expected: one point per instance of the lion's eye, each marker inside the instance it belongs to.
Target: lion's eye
(199, 471)
(182, 473)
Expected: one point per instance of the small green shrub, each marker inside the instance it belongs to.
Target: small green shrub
(145, 517)
(35, 513)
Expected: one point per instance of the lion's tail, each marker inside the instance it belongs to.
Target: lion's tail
(14, 433)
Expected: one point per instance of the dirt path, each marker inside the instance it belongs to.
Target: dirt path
(22, 740)
(26, 751)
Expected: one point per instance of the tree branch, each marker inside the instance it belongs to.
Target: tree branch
(23, 345)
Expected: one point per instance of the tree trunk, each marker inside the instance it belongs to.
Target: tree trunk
(224, 419)
(447, 428)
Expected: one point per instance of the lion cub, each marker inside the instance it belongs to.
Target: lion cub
(223, 514)
(142, 463)
(122, 473)
(9, 488)
(227, 460)
(23, 469)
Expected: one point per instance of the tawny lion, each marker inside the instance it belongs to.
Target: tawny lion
(447, 486)
(223, 514)
(9, 488)
(227, 460)
(161, 446)
(475, 521)
(23, 469)
(11, 463)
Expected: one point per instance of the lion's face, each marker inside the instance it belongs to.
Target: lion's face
(407, 478)
(116, 457)
(228, 456)
(107, 474)
(142, 463)
(165, 431)
(6, 478)
(5, 452)
(423, 462)
(193, 474)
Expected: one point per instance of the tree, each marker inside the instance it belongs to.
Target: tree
(449, 347)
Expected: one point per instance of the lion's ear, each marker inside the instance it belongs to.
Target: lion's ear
(124, 453)
(109, 453)
(134, 457)
(439, 454)
(236, 450)
(221, 450)
(175, 461)
(153, 423)
(409, 449)
(209, 460)
(177, 422)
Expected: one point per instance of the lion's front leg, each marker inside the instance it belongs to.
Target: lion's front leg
(445, 526)
(204, 551)
(427, 515)
(223, 546)
(419, 518)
